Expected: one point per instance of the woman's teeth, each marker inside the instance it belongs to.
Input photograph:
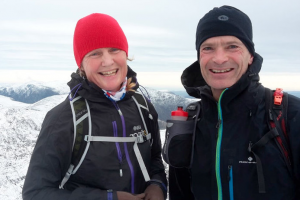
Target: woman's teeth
(109, 73)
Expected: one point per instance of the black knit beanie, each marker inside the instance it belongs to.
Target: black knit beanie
(225, 20)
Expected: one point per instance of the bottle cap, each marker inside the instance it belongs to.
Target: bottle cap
(179, 112)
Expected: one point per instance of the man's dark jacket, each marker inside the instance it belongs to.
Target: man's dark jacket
(243, 123)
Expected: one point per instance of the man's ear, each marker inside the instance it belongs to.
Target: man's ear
(250, 60)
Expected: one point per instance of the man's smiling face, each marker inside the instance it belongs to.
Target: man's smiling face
(223, 60)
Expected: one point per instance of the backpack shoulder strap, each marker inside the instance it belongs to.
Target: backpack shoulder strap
(141, 103)
(276, 110)
(82, 125)
(194, 110)
(140, 98)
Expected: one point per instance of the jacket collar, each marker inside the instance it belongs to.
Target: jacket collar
(243, 96)
(195, 85)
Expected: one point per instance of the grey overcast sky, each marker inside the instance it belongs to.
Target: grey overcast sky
(36, 37)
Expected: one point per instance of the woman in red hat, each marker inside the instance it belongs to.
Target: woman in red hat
(99, 143)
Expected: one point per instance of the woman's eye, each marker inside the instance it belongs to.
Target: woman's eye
(94, 54)
(114, 50)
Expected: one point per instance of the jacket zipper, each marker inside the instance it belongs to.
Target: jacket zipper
(218, 148)
(230, 179)
(125, 147)
(114, 123)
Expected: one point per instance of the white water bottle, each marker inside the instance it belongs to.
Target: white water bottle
(179, 114)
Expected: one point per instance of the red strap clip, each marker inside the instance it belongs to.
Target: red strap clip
(278, 94)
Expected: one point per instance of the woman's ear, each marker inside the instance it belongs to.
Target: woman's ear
(81, 67)
(81, 71)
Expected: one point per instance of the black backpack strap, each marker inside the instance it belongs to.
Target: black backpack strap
(193, 110)
(280, 119)
(82, 126)
(276, 115)
(253, 148)
(277, 118)
(145, 114)
(141, 100)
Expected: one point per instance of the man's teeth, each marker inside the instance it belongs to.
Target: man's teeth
(220, 71)
(109, 73)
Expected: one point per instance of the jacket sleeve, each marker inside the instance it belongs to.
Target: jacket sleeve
(293, 125)
(50, 160)
(157, 170)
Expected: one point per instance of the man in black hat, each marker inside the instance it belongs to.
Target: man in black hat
(236, 154)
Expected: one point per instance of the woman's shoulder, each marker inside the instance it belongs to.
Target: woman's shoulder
(59, 114)
(57, 128)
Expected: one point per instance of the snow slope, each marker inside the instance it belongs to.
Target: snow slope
(20, 124)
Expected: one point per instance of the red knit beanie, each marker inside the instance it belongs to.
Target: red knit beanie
(97, 31)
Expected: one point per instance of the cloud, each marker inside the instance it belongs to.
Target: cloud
(161, 34)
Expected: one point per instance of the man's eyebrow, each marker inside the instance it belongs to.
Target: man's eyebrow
(222, 43)
(232, 42)
(207, 44)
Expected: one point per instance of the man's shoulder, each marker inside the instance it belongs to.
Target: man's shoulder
(293, 102)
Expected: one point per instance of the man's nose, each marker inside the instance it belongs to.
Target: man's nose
(220, 56)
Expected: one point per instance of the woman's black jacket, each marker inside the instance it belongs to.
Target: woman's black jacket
(100, 170)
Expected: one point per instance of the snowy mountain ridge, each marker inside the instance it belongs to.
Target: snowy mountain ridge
(32, 92)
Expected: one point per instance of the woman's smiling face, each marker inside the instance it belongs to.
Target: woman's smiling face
(106, 67)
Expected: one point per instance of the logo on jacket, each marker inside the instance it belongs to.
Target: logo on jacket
(141, 135)
(249, 161)
(138, 132)
(136, 128)
(81, 113)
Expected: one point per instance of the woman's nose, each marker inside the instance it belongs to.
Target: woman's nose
(107, 59)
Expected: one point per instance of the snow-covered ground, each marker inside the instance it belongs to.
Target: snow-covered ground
(20, 124)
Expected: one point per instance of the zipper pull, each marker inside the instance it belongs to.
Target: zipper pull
(250, 147)
(229, 169)
(218, 124)
(121, 171)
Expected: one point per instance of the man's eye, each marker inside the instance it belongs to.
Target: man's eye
(232, 47)
(206, 48)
